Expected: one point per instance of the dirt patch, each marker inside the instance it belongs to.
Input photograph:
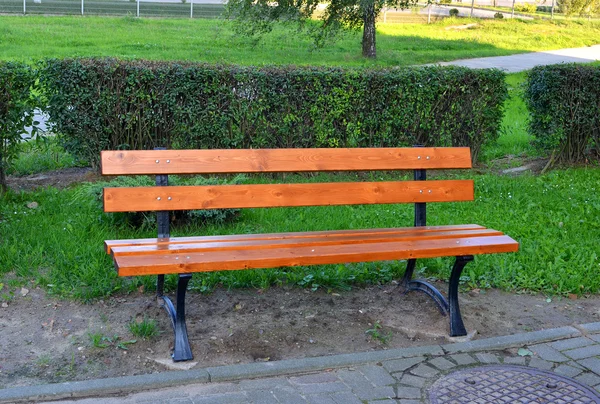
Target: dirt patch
(45, 340)
(58, 178)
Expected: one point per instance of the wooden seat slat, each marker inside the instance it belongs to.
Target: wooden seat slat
(288, 195)
(297, 242)
(109, 244)
(261, 258)
(124, 162)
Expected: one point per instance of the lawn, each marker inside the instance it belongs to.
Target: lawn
(30, 38)
(554, 216)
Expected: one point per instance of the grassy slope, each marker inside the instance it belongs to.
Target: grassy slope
(34, 37)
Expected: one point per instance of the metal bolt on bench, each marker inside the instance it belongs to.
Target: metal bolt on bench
(186, 255)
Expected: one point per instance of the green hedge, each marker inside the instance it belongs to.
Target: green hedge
(100, 104)
(564, 104)
(16, 110)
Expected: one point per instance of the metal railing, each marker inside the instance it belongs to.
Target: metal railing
(134, 8)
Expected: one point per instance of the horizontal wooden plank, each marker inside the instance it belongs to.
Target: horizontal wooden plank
(294, 256)
(184, 248)
(280, 195)
(109, 244)
(127, 162)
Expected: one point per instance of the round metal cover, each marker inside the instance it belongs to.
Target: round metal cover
(509, 384)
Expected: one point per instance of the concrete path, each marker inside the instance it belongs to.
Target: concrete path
(526, 61)
(390, 376)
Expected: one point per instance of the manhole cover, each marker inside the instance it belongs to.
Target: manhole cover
(509, 384)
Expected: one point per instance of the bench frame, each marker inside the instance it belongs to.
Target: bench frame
(182, 350)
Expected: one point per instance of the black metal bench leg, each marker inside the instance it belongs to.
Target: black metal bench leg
(422, 286)
(182, 350)
(457, 328)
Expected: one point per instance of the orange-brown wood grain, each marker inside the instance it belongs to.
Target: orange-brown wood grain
(380, 232)
(311, 255)
(128, 162)
(184, 248)
(280, 195)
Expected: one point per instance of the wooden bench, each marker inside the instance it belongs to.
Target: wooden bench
(185, 255)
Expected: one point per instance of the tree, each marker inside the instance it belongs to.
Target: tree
(582, 8)
(258, 16)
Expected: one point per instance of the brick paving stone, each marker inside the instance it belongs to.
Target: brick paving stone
(571, 343)
(414, 381)
(376, 375)
(515, 360)
(595, 337)
(400, 365)
(262, 384)
(375, 393)
(568, 371)
(410, 401)
(487, 358)
(387, 401)
(441, 363)
(226, 398)
(328, 377)
(582, 353)
(212, 388)
(463, 359)
(354, 379)
(320, 399)
(540, 364)
(181, 401)
(592, 364)
(575, 365)
(289, 396)
(316, 388)
(409, 392)
(424, 371)
(261, 397)
(345, 397)
(588, 378)
(546, 352)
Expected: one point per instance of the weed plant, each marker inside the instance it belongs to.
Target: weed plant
(146, 328)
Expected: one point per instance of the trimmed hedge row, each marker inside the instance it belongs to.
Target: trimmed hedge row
(98, 104)
(564, 104)
(16, 110)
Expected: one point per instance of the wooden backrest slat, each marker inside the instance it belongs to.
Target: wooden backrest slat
(280, 195)
(138, 162)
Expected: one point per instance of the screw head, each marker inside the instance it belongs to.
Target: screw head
(169, 198)
(158, 198)
(157, 161)
(168, 161)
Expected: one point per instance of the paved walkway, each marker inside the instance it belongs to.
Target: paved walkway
(391, 376)
(526, 61)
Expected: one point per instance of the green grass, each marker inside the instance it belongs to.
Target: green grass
(33, 37)
(145, 328)
(514, 139)
(39, 155)
(555, 217)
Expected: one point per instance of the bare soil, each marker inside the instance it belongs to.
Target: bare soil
(47, 340)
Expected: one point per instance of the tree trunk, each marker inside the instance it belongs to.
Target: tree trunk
(3, 186)
(368, 41)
